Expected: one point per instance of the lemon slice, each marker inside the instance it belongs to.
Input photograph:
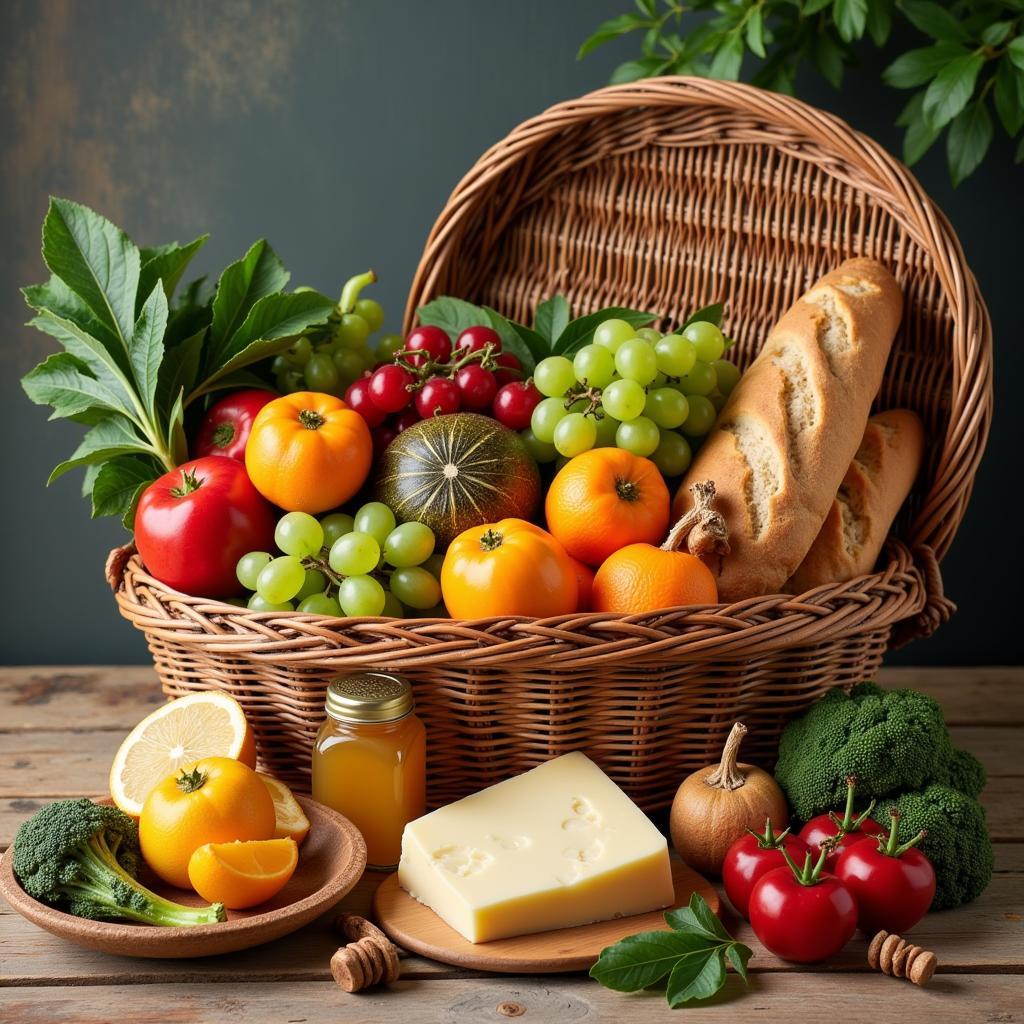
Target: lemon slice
(243, 874)
(209, 724)
(291, 822)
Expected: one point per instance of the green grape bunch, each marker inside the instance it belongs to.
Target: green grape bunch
(655, 395)
(330, 359)
(358, 565)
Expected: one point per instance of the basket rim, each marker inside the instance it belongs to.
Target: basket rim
(891, 183)
(900, 595)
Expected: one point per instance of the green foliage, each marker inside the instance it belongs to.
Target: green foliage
(692, 955)
(84, 858)
(956, 842)
(973, 63)
(134, 357)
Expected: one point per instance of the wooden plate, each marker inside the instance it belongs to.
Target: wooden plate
(331, 861)
(417, 928)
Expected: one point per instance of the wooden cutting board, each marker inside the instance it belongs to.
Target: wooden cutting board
(418, 929)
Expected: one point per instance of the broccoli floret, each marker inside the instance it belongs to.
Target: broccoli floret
(83, 857)
(891, 740)
(956, 841)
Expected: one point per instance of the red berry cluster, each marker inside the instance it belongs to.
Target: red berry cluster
(431, 378)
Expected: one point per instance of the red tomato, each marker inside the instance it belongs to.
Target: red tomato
(194, 523)
(802, 915)
(892, 883)
(752, 856)
(226, 425)
(850, 828)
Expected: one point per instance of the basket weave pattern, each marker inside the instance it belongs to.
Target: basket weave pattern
(662, 195)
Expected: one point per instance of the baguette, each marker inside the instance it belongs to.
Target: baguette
(786, 436)
(875, 486)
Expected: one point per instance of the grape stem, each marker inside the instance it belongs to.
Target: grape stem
(336, 578)
(423, 372)
(350, 292)
(702, 528)
(592, 396)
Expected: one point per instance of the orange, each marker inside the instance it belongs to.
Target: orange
(507, 568)
(215, 800)
(210, 724)
(642, 578)
(290, 819)
(308, 452)
(584, 585)
(603, 500)
(242, 874)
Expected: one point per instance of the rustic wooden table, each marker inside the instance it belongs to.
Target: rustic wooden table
(60, 727)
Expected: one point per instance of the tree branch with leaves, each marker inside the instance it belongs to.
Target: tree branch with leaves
(973, 62)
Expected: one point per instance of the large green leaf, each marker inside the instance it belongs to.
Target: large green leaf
(176, 438)
(166, 264)
(920, 135)
(552, 317)
(119, 484)
(951, 89)
(1009, 97)
(98, 262)
(639, 961)
(581, 331)
(694, 978)
(271, 323)
(110, 438)
(179, 370)
(146, 348)
(934, 20)
(969, 138)
(518, 340)
(64, 382)
(915, 67)
(90, 351)
(59, 299)
(851, 18)
(257, 274)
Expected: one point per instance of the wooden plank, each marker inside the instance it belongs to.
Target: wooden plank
(78, 698)
(56, 764)
(986, 935)
(954, 998)
(969, 696)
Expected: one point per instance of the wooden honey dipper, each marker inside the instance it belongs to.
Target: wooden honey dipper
(894, 955)
(370, 958)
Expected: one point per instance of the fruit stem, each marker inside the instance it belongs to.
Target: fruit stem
(768, 840)
(224, 434)
(809, 874)
(350, 292)
(189, 483)
(890, 845)
(702, 528)
(491, 540)
(311, 419)
(190, 782)
(849, 823)
(727, 775)
(627, 490)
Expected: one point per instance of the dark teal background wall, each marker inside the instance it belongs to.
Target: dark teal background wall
(337, 130)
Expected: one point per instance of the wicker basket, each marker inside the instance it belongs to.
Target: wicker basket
(661, 195)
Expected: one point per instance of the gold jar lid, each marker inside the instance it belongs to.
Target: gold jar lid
(369, 697)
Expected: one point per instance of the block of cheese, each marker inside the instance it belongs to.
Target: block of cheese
(558, 846)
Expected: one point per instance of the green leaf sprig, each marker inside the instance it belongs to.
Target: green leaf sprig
(974, 58)
(693, 956)
(134, 358)
(553, 331)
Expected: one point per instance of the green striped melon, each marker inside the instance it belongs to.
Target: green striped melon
(457, 471)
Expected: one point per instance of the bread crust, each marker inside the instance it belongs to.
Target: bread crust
(785, 438)
(875, 486)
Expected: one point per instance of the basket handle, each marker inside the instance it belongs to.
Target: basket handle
(937, 607)
(116, 561)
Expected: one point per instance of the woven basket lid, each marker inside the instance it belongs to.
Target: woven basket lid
(672, 193)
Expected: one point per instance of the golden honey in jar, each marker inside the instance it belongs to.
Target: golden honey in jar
(369, 760)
